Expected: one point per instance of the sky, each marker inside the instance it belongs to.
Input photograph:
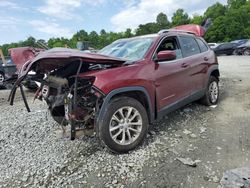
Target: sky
(44, 19)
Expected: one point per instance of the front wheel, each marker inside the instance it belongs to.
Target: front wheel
(211, 96)
(125, 125)
(1, 79)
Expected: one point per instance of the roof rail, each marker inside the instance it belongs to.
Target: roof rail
(175, 30)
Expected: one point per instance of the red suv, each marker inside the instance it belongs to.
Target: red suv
(124, 87)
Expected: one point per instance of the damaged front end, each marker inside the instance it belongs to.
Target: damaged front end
(74, 101)
(71, 96)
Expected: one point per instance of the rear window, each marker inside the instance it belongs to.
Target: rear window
(202, 45)
(189, 46)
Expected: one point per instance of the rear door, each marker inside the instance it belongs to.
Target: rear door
(171, 77)
(195, 61)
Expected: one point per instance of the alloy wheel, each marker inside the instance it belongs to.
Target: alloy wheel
(125, 125)
(214, 91)
(1, 78)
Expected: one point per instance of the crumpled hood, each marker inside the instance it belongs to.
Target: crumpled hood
(66, 53)
(59, 57)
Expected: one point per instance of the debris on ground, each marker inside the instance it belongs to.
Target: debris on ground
(187, 132)
(188, 161)
(203, 130)
(187, 110)
(193, 135)
(236, 178)
(218, 148)
(215, 179)
(213, 106)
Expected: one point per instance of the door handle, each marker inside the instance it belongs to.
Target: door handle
(206, 59)
(184, 65)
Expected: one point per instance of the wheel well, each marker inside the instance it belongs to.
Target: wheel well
(2, 72)
(215, 73)
(137, 95)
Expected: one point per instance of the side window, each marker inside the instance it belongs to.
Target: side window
(202, 45)
(170, 44)
(189, 46)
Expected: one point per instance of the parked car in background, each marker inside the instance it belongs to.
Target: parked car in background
(243, 49)
(127, 85)
(225, 48)
(213, 45)
(7, 70)
(239, 42)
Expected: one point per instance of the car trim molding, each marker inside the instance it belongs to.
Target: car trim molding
(180, 103)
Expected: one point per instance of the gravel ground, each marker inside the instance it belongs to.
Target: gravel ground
(35, 153)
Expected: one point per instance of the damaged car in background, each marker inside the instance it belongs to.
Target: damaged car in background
(19, 57)
(124, 87)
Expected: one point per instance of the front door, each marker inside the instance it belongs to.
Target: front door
(171, 77)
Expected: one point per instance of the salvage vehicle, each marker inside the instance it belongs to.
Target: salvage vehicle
(7, 69)
(127, 85)
(227, 48)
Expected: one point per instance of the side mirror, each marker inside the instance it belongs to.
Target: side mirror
(166, 55)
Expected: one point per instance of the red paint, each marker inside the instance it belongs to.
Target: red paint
(196, 29)
(21, 55)
(165, 82)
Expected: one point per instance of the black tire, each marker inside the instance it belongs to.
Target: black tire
(246, 52)
(57, 114)
(137, 138)
(2, 78)
(208, 99)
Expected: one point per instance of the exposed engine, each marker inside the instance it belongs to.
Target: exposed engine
(72, 100)
(74, 103)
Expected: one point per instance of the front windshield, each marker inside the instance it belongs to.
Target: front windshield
(131, 50)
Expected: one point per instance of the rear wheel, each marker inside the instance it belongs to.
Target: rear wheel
(246, 52)
(124, 126)
(211, 96)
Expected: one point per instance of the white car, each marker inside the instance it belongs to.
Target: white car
(213, 45)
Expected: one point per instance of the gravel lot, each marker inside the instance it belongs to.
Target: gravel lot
(34, 152)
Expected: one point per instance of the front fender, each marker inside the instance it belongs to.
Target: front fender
(108, 97)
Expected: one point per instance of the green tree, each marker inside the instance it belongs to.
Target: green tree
(103, 32)
(235, 4)
(147, 28)
(30, 41)
(180, 18)
(128, 33)
(162, 21)
(233, 24)
(94, 39)
(197, 19)
(215, 11)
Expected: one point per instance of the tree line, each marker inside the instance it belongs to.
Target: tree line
(229, 22)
